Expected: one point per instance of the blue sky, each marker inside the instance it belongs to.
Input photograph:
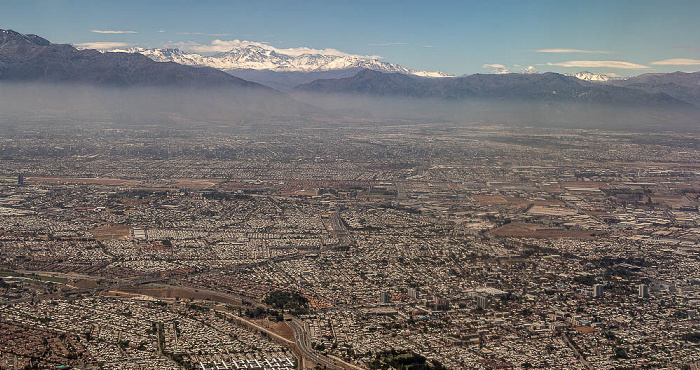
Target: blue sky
(456, 37)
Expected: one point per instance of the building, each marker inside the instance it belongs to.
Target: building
(598, 291)
(441, 304)
(482, 302)
(413, 293)
(438, 304)
(643, 291)
(384, 297)
(139, 234)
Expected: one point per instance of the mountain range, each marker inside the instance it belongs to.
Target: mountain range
(596, 77)
(680, 85)
(31, 58)
(256, 57)
(265, 65)
(543, 87)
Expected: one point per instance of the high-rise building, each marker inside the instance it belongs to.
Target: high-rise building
(384, 297)
(441, 304)
(482, 301)
(643, 291)
(413, 293)
(20, 179)
(598, 290)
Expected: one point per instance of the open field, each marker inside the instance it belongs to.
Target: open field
(111, 231)
(524, 230)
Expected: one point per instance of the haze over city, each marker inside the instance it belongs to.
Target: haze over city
(349, 185)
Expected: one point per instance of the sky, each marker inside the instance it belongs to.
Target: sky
(626, 38)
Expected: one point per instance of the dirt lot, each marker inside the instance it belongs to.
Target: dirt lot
(280, 328)
(497, 199)
(176, 183)
(195, 183)
(111, 231)
(80, 180)
(490, 199)
(523, 230)
(181, 293)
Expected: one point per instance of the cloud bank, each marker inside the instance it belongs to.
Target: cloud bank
(114, 32)
(599, 64)
(206, 34)
(102, 45)
(677, 62)
(575, 51)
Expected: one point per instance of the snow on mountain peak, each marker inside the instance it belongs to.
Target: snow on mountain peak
(259, 57)
(596, 77)
(529, 70)
(501, 71)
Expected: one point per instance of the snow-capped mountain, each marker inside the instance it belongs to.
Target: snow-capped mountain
(595, 77)
(501, 71)
(254, 57)
(529, 70)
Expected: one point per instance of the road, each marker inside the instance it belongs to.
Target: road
(580, 357)
(114, 286)
(301, 337)
(341, 231)
(304, 344)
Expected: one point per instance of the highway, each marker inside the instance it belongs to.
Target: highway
(113, 286)
(301, 337)
(304, 344)
(341, 231)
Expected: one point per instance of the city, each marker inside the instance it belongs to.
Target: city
(348, 245)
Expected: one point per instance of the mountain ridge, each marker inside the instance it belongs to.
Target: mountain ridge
(32, 58)
(545, 87)
(680, 85)
(254, 57)
(596, 77)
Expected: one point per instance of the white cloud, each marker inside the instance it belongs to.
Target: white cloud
(220, 46)
(161, 31)
(599, 64)
(677, 62)
(206, 34)
(575, 51)
(388, 43)
(102, 45)
(499, 68)
(112, 31)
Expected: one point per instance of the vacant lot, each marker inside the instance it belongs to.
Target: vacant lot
(524, 230)
(111, 231)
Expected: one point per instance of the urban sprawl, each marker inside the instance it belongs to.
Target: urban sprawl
(291, 245)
